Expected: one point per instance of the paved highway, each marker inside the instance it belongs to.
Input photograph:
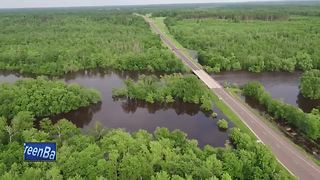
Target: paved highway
(287, 154)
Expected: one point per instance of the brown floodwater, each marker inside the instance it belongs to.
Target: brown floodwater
(281, 85)
(133, 115)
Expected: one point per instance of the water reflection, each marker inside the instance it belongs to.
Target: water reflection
(133, 115)
(307, 104)
(131, 106)
(81, 117)
(101, 73)
(280, 85)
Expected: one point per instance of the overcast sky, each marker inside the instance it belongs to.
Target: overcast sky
(69, 3)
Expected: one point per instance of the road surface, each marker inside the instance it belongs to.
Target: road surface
(287, 154)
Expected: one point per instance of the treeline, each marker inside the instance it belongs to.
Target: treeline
(310, 84)
(234, 15)
(43, 97)
(307, 123)
(255, 46)
(241, 13)
(55, 43)
(115, 154)
(167, 89)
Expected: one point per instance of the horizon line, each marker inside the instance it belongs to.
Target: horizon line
(159, 4)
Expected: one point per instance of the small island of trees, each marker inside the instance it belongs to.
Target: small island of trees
(222, 124)
(166, 89)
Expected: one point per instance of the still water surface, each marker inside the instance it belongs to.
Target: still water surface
(283, 86)
(280, 85)
(134, 115)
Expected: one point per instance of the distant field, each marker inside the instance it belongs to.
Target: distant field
(54, 43)
(257, 41)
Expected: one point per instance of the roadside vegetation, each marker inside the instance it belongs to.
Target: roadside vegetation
(167, 89)
(116, 154)
(43, 97)
(232, 116)
(310, 84)
(58, 42)
(306, 123)
(255, 40)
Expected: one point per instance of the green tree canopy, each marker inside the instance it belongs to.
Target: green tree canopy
(310, 84)
(141, 155)
(43, 97)
(168, 88)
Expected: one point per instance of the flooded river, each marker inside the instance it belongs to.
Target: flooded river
(280, 85)
(134, 115)
(283, 86)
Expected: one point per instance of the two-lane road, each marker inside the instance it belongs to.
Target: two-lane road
(287, 154)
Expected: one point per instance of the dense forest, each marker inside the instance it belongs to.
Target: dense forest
(307, 123)
(244, 12)
(58, 42)
(310, 84)
(168, 88)
(115, 154)
(254, 40)
(43, 97)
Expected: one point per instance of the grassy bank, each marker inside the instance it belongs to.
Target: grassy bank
(232, 116)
